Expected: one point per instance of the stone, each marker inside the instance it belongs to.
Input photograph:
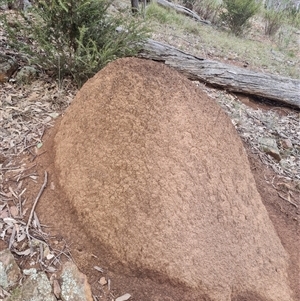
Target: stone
(35, 288)
(9, 270)
(103, 281)
(26, 74)
(30, 272)
(286, 143)
(4, 6)
(74, 284)
(8, 65)
(18, 4)
(269, 146)
(159, 177)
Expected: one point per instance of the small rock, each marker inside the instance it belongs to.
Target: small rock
(30, 272)
(4, 6)
(286, 143)
(8, 66)
(36, 287)
(269, 146)
(9, 270)
(103, 281)
(26, 74)
(74, 285)
(14, 211)
(26, 4)
(19, 4)
(124, 297)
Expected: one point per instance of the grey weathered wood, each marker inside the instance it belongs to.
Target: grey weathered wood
(181, 9)
(231, 78)
(134, 6)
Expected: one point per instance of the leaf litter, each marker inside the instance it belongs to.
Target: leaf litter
(26, 239)
(26, 112)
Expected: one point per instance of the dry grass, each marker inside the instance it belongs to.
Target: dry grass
(278, 55)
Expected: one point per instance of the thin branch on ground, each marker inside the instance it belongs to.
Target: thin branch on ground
(35, 203)
(287, 199)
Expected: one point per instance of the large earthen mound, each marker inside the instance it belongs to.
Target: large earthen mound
(157, 173)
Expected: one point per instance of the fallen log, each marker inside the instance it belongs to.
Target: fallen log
(181, 9)
(281, 89)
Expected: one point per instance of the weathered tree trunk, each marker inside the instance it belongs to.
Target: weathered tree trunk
(231, 78)
(134, 6)
(181, 9)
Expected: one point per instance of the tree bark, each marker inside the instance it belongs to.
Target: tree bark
(231, 78)
(181, 9)
(134, 6)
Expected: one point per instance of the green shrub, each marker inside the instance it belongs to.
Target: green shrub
(163, 15)
(74, 37)
(237, 13)
(273, 21)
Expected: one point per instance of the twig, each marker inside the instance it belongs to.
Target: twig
(35, 203)
(10, 168)
(287, 200)
(37, 240)
(26, 176)
(61, 252)
(26, 148)
(35, 156)
(43, 132)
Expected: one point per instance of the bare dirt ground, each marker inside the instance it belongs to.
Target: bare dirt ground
(31, 112)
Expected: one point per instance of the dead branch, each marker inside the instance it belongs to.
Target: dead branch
(35, 203)
(182, 10)
(281, 89)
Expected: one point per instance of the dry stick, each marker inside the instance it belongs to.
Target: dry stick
(292, 203)
(26, 176)
(35, 203)
(20, 205)
(25, 148)
(35, 156)
(19, 176)
(57, 257)
(43, 132)
(10, 168)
